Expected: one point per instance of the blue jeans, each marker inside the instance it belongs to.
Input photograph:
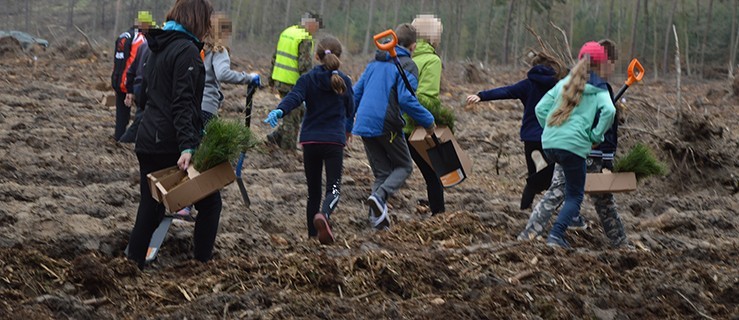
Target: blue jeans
(574, 168)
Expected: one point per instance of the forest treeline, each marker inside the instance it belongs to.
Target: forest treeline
(490, 31)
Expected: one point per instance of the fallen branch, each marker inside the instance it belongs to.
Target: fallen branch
(516, 280)
(89, 43)
(95, 301)
(567, 42)
(184, 293)
(642, 131)
(545, 47)
(488, 247)
(366, 295)
(694, 307)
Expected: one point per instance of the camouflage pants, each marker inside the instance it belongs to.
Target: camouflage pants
(286, 134)
(605, 207)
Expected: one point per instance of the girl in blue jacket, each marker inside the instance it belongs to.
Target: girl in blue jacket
(326, 128)
(567, 113)
(544, 74)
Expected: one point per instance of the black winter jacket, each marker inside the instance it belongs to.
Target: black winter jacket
(122, 51)
(174, 78)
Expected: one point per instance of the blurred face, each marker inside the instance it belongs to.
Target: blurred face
(144, 26)
(310, 25)
(225, 29)
(606, 69)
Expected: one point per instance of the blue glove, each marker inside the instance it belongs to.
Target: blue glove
(272, 117)
(255, 80)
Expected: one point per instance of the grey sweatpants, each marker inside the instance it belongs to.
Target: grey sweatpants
(390, 161)
(605, 207)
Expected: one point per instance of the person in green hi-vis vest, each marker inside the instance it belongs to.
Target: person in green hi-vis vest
(292, 58)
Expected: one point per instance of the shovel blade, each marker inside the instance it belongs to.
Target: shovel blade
(244, 194)
(446, 164)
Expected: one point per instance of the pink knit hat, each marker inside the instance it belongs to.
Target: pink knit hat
(596, 52)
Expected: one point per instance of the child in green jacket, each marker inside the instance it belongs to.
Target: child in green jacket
(428, 30)
(567, 113)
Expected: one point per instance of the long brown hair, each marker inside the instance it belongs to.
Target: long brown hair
(571, 92)
(329, 52)
(194, 15)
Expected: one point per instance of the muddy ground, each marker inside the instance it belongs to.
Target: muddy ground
(69, 193)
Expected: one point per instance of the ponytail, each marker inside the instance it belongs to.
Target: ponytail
(329, 51)
(572, 92)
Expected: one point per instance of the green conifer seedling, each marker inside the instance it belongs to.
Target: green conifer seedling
(223, 141)
(641, 161)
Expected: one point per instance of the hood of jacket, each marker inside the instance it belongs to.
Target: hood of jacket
(423, 47)
(381, 55)
(159, 39)
(543, 75)
(322, 77)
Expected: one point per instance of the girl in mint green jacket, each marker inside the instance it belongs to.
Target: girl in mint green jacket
(567, 113)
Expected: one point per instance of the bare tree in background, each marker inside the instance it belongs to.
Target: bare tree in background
(27, 12)
(667, 38)
(365, 47)
(507, 31)
(287, 13)
(734, 38)
(117, 18)
(706, 31)
(634, 25)
(70, 17)
(609, 27)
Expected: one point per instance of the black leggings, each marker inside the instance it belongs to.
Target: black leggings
(315, 157)
(151, 213)
(434, 189)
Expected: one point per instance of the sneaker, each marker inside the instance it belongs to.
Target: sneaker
(555, 241)
(184, 214)
(528, 235)
(578, 223)
(378, 212)
(324, 229)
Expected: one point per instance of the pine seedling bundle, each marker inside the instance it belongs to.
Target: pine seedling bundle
(443, 116)
(641, 161)
(223, 141)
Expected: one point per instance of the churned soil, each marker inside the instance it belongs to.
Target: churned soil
(69, 197)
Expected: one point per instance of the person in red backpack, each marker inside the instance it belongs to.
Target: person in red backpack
(126, 47)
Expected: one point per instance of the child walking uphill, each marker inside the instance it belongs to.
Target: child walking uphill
(429, 29)
(601, 157)
(381, 97)
(328, 96)
(544, 74)
(567, 113)
(217, 64)
(218, 67)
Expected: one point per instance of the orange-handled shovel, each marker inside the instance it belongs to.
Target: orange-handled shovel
(389, 46)
(635, 73)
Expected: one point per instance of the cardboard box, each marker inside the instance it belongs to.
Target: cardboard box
(417, 141)
(610, 182)
(167, 185)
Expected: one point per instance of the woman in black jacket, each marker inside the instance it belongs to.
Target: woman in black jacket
(171, 129)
